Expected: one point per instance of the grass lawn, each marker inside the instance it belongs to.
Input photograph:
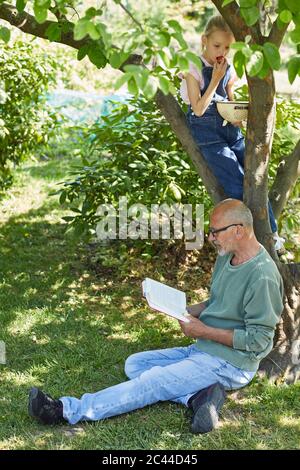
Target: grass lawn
(69, 323)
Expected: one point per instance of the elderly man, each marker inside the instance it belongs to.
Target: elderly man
(234, 330)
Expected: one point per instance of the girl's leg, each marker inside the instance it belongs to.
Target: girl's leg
(227, 168)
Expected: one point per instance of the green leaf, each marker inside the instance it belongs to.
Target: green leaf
(175, 26)
(238, 45)
(296, 19)
(165, 58)
(175, 192)
(265, 70)
(97, 57)
(53, 32)
(255, 64)
(285, 16)
(4, 34)
(295, 35)
(141, 78)
(179, 38)
(293, 5)
(272, 55)
(194, 58)
(122, 80)
(93, 31)
(20, 5)
(250, 15)
(42, 3)
(117, 59)
(105, 35)
(40, 14)
(150, 89)
(164, 85)
(82, 52)
(293, 68)
(80, 29)
(62, 197)
(226, 2)
(239, 62)
(132, 87)
(183, 64)
(91, 13)
(248, 3)
(163, 39)
(133, 68)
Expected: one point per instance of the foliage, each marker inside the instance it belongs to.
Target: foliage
(286, 134)
(161, 41)
(25, 120)
(132, 153)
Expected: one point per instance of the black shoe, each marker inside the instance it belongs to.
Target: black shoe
(206, 405)
(42, 407)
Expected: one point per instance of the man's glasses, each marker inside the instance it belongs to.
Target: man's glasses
(213, 231)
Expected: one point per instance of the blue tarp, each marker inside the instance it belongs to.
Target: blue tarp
(81, 106)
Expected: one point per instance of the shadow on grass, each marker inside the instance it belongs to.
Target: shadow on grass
(70, 332)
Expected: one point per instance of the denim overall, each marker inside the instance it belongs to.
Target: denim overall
(223, 147)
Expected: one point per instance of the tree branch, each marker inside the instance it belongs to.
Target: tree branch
(176, 118)
(232, 16)
(286, 177)
(276, 35)
(28, 24)
(131, 16)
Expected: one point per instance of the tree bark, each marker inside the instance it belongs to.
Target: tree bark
(283, 363)
(259, 139)
(287, 174)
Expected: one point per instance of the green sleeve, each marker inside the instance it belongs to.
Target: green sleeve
(263, 307)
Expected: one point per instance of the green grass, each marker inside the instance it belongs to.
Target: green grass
(68, 328)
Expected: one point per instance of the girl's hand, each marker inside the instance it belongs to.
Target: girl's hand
(219, 70)
(238, 124)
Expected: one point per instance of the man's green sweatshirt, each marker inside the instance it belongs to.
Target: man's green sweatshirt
(248, 300)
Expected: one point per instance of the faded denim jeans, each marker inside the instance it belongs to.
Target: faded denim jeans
(165, 374)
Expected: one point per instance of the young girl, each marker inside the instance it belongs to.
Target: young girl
(223, 147)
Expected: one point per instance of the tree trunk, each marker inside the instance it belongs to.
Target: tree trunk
(260, 129)
(283, 363)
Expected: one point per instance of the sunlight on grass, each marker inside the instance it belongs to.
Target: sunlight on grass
(69, 329)
(290, 421)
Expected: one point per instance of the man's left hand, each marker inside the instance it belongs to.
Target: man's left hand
(194, 328)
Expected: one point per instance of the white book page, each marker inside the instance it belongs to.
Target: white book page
(165, 299)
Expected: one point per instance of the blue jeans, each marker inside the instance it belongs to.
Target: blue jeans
(164, 374)
(223, 147)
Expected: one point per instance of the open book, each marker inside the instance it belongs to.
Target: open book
(165, 299)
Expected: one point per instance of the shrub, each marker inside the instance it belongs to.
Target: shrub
(132, 152)
(25, 119)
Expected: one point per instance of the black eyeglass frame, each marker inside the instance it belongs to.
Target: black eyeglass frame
(212, 231)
